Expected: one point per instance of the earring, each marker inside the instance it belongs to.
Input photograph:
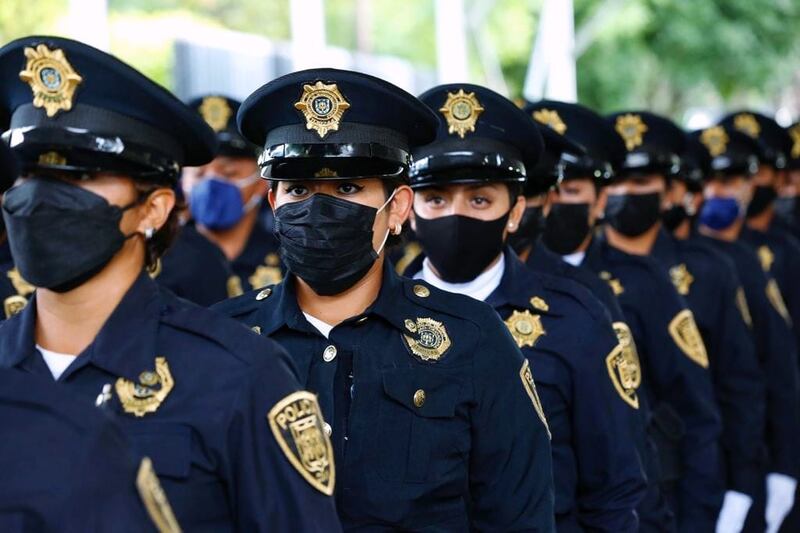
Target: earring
(148, 233)
(510, 225)
(398, 229)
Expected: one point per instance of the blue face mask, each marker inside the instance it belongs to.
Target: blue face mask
(719, 213)
(217, 204)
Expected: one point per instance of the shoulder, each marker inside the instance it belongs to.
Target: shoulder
(242, 306)
(576, 298)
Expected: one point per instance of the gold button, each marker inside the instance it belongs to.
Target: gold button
(419, 398)
(329, 354)
(421, 291)
(328, 429)
(264, 294)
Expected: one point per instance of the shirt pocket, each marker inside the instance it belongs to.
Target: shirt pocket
(168, 445)
(420, 435)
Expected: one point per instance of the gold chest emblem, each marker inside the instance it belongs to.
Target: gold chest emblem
(744, 309)
(296, 423)
(747, 123)
(525, 327)
(526, 375)
(52, 79)
(632, 129)
(681, 278)
(614, 283)
(146, 396)
(623, 366)
(715, 140)
(684, 332)
(430, 340)
(461, 111)
(550, 118)
(766, 257)
(776, 299)
(267, 274)
(323, 107)
(216, 111)
(794, 133)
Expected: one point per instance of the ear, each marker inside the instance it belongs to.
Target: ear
(516, 215)
(400, 206)
(271, 198)
(600, 205)
(412, 221)
(156, 209)
(549, 200)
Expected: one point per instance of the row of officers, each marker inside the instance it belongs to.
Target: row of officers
(443, 313)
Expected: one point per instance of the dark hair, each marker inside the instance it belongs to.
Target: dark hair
(165, 236)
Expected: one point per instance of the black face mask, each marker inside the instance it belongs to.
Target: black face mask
(633, 214)
(788, 208)
(763, 196)
(60, 235)
(460, 247)
(327, 241)
(674, 217)
(530, 226)
(566, 228)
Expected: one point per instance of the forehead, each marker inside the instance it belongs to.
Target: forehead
(456, 188)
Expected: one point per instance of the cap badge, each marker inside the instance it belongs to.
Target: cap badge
(147, 395)
(52, 79)
(631, 128)
(794, 132)
(747, 123)
(550, 118)
(461, 110)
(715, 139)
(216, 111)
(431, 340)
(526, 328)
(322, 106)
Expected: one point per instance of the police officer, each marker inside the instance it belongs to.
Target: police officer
(219, 410)
(227, 200)
(67, 467)
(727, 193)
(787, 205)
(467, 201)
(432, 407)
(686, 422)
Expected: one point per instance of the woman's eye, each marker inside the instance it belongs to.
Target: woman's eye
(296, 190)
(434, 200)
(348, 188)
(480, 201)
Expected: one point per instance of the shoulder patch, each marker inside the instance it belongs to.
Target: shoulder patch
(776, 299)
(623, 366)
(526, 375)
(296, 423)
(155, 500)
(684, 332)
(744, 309)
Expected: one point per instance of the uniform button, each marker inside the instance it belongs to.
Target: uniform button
(419, 398)
(328, 429)
(421, 291)
(264, 294)
(329, 354)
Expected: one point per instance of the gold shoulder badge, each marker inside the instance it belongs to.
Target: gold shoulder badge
(526, 376)
(715, 140)
(623, 366)
(776, 299)
(146, 396)
(461, 111)
(744, 309)
(216, 111)
(20, 285)
(747, 123)
(52, 79)
(684, 332)
(526, 328)
(431, 340)
(155, 499)
(681, 278)
(14, 304)
(614, 283)
(631, 128)
(550, 118)
(296, 423)
(766, 257)
(323, 107)
(794, 133)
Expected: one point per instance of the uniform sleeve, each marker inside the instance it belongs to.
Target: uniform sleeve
(511, 480)
(610, 474)
(281, 471)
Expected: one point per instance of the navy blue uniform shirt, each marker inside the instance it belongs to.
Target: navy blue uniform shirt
(432, 409)
(206, 400)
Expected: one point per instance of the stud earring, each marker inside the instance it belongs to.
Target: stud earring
(148, 233)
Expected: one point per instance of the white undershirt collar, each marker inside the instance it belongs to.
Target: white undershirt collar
(322, 327)
(56, 362)
(479, 288)
(574, 259)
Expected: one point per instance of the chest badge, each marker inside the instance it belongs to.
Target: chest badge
(683, 330)
(267, 274)
(323, 107)
(461, 111)
(681, 278)
(525, 327)
(614, 283)
(429, 341)
(766, 257)
(146, 396)
(52, 79)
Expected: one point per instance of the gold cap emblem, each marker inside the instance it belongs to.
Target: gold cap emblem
(52, 79)
(146, 396)
(747, 123)
(550, 118)
(461, 111)
(794, 133)
(431, 340)
(631, 128)
(526, 328)
(323, 107)
(216, 111)
(715, 140)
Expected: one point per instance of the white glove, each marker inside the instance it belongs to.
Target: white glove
(780, 499)
(734, 511)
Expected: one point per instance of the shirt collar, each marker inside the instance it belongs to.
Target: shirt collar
(664, 248)
(518, 286)
(479, 288)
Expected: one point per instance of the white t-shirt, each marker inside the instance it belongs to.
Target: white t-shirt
(56, 362)
(479, 288)
(322, 327)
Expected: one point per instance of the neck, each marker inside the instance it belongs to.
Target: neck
(762, 221)
(639, 245)
(339, 307)
(683, 231)
(232, 240)
(69, 322)
(525, 254)
(729, 234)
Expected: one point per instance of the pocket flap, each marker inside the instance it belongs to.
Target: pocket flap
(428, 394)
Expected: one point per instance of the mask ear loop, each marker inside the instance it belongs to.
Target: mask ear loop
(389, 230)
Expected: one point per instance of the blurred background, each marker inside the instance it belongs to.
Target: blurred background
(687, 59)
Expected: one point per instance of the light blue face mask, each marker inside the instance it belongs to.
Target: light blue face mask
(217, 204)
(719, 213)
